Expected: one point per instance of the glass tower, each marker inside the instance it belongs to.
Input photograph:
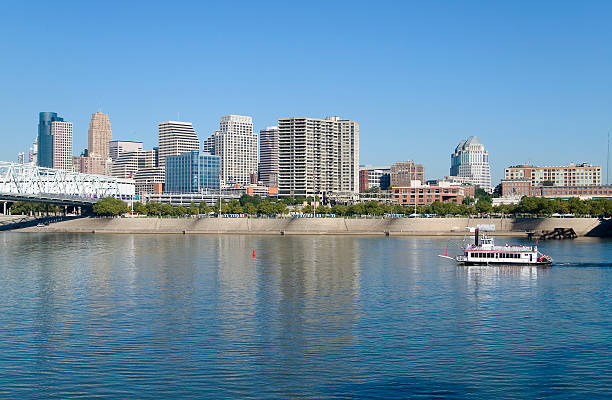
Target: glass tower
(45, 139)
(191, 172)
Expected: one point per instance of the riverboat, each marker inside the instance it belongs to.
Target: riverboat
(484, 252)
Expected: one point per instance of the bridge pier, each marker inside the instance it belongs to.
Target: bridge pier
(4, 208)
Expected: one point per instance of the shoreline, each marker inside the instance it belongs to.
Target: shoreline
(327, 226)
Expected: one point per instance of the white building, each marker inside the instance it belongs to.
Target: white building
(117, 147)
(176, 137)
(470, 162)
(236, 144)
(33, 153)
(129, 162)
(61, 131)
(318, 156)
(268, 156)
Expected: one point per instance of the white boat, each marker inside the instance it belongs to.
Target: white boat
(484, 252)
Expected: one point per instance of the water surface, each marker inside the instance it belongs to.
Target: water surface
(133, 316)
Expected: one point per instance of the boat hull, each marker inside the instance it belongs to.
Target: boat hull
(503, 264)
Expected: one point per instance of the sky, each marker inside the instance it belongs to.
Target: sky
(533, 80)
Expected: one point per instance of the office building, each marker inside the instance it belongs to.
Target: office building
(99, 136)
(370, 177)
(318, 156)
(45, 139)
(116, 147)
(192, 172)
(471, 162)
(33, 153)
(148, 181)
(405, 172)
(21, 158)
(91, 165)
(176, 137)
(236, 145)
(569, 175)
(268, 156)
(129, 162)
(61, 134)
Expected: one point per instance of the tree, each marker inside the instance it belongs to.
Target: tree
(339, 209)
(166, 209)
(109, 206)
(280, 208)
(153, 208)
(484, 206)
(140, 208)
(468, 200)
(250, 209)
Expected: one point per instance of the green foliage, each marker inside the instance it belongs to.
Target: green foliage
(109, 206)
(468, 201)
(250, 209)
(140, 208)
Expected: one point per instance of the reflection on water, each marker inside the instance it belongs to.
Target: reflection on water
(308, 317)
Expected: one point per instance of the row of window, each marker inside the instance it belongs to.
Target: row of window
(492, 255)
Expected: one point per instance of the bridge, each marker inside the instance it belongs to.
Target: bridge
(24, 182)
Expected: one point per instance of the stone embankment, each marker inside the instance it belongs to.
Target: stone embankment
(334, 226)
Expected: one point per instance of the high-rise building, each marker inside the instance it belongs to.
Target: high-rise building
(21, 158)
(405, 172)
(176, 137)
(116, 147)
(45, 140)
(33, 154)
(268, 156)
(236, 145)
(99, 135)
(567, 175)
(318, 156)
(470, 161)
(192, 172)
(61, 133)
(149, 180)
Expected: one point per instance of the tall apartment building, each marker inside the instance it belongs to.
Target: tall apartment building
(318, 156)
(268, 156)
(403, 173)
(99, 135)
(569, 175)
(192, 172)
(236, 145)
(116, 147)
(176, 137)
(470, 161)
(45, 139)
(61, 133)
(370, 177)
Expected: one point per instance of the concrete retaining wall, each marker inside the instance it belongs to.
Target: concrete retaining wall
(373, 226)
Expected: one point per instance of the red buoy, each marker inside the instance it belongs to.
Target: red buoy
(253, 253)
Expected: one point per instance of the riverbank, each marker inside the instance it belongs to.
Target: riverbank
(326, 226)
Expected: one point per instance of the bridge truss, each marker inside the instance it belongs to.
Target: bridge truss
(24, 182)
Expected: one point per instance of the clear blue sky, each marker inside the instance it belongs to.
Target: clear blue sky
(533, 80)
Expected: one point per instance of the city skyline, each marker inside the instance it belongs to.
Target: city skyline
(527, 79)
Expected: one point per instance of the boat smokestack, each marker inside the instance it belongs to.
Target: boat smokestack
(476, 239)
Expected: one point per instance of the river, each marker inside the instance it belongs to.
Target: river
(198, 316)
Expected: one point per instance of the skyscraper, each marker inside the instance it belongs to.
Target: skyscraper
(268, 156)
(99, 135)
(45, 140)
(61, 133)
(470, 162)
(176, 137)
(236, 144)
(318, 156)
